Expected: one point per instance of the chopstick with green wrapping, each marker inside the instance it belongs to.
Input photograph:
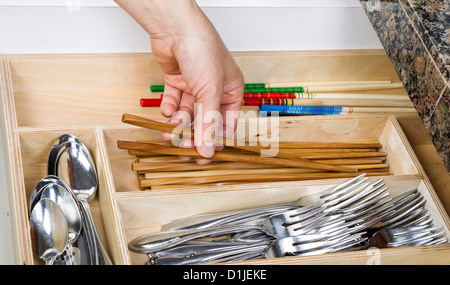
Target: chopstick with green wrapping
(160, 88)
(262, 87)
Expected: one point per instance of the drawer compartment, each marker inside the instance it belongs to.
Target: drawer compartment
(45, 96)
(331, 129)
(148, 213)
(35, 147)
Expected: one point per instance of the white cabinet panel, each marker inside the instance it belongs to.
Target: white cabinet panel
(203, 3)
(94, 29)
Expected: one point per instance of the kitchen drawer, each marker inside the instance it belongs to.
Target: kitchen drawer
(133, 209)
(45, 96)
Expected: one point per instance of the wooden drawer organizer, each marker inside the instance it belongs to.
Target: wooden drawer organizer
(45, 96)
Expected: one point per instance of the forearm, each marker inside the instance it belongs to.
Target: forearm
(197, 66)
(165, 18)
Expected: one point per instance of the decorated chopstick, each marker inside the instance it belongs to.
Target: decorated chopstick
(160, 87)
(322, 83)
(259, 88)
(307, 96)
(329, 110)
(307, 89)
(256, 99)
(328, 102)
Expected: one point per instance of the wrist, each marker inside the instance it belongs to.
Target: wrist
(163, 19)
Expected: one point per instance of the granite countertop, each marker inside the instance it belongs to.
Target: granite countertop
(416, 37)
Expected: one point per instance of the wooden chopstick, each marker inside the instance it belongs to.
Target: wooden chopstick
(356, 160)
(152, 124)
(318, 89)
(229, 156)
(350, 102)
(147, 165)
(319, 154)
(165, 159)
(280, 149)
(201, 173)
(342, 155)
(145, 183)
(172, 160)
(283, 145)
(337, 145)
(294, 151)
(237, 171)
(326, 83)
(193, 166)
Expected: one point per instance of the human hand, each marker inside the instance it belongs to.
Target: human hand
(201, 77)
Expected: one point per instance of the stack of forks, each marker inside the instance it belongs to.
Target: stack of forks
(352, 216)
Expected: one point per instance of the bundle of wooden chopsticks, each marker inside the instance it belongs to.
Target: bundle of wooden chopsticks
(158, 165)
(316, 98)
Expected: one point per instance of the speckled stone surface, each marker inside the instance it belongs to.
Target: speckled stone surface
(432, 20)
(416, 37)
(439, 127)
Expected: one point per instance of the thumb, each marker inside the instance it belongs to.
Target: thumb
(208, 121)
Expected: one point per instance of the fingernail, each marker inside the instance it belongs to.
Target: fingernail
(187, 143)
(207, 149)
(184, 157)
(202, 161)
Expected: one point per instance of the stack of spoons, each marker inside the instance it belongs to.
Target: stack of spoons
(55, 221)
(61, 200)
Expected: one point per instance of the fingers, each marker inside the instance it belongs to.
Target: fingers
(230, 113)
(170, 101)
(208, 121)
(186, 143)
(184, 114)
(213, 119)
(232, 99)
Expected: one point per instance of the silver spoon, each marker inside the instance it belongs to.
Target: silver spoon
(40, 185)
(75, 166)
(86, 248)
(83, 247)
(54, 151)
(49, 233)
(68, 203)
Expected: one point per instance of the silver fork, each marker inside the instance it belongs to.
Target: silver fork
(409, 206)
(235, 217)
(290, 223)
(415, 230)
(207, 252)
(297, 224)
(164, 240)
(294, 222)
(338, 232)
(350, 234)
(382, 239)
